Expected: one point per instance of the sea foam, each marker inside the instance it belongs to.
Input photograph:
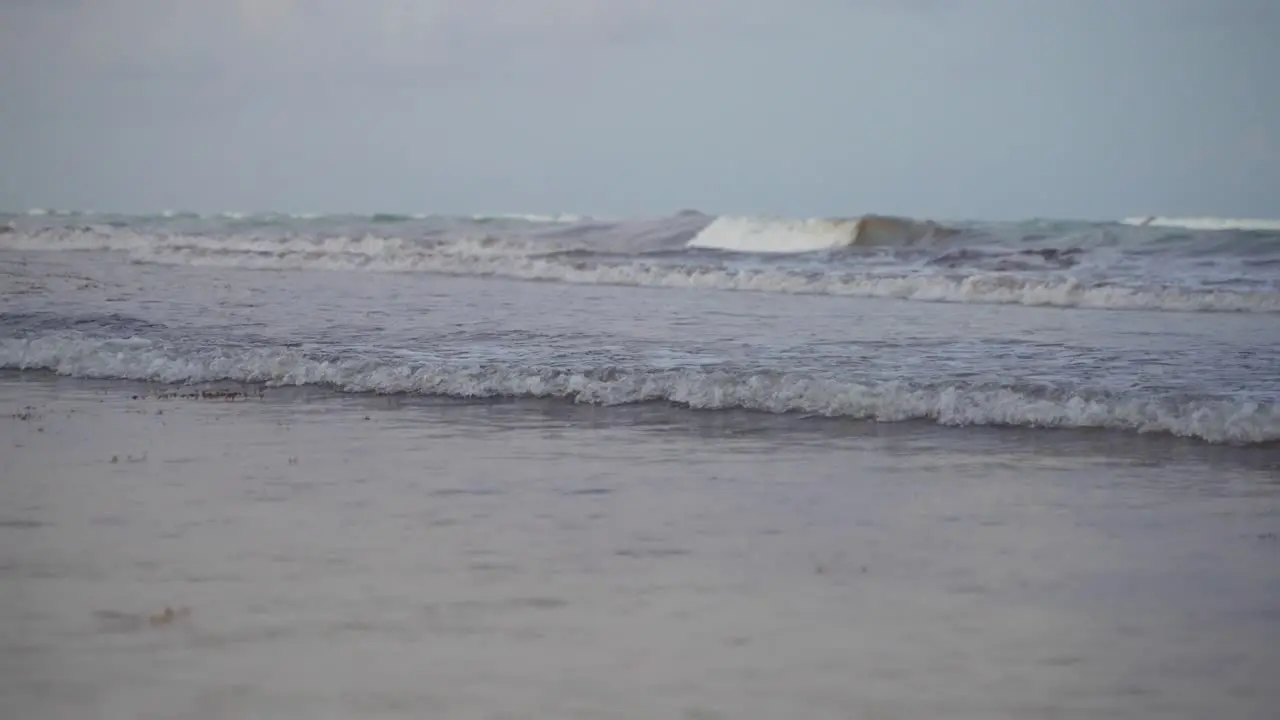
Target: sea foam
(1204, 223)
(1214, 420)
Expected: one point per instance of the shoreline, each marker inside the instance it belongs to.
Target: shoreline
(797, 420)
(284, 556)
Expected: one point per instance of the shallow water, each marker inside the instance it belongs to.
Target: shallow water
(1210, 376)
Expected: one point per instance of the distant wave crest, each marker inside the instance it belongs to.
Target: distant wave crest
(1204, 223)
(1214, 420)
(766, 235)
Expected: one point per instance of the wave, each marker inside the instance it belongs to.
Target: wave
(1204, 223)
(345, 252)
(377, 217)
(1213, 420)
(557, 219)
(523, 258)
(768, 235)
(54, 212)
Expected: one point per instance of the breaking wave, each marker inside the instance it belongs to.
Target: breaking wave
(1204, 223)
(1214, 420)
(1107, 266)
(525, 258)
(375, 217)
(760, 235)
(558, 219)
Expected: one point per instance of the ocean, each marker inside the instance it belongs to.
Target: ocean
(693, 466)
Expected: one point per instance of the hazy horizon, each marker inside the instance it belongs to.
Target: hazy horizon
(974, 109)
(567, 216)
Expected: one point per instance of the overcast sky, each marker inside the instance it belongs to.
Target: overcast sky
(977, 109)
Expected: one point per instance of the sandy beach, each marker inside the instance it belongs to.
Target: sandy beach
(305, 554)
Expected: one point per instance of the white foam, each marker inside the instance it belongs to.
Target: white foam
(1215, 421)
(774, 235)
(557, 219)
(55, 212)
(1203, 223)
(245, 250)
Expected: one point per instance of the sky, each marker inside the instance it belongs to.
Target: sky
(948, 109)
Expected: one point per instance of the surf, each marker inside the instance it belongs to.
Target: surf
(956, 402)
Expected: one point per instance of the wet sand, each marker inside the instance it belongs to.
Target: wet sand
(307, 555)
